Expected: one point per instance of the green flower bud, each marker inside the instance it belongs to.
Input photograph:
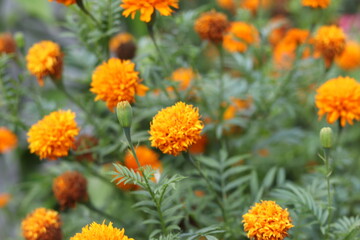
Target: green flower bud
(326, 137)
(19, 39)
(124, 113)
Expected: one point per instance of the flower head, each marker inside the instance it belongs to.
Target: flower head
(147, 8)
(65, 2)
(339, 98)
(227, 4)
(4, 199)
(70, 188)
(239, 36)
(45, 59)
(200, 146)
(316, 3)
(212, 26)
(123, 46)
(184, 76)
(42, 224)
(8, 140)
(115, 81)
(253, 5)
(85, 142)
(350, 57)
(95, 231)
(54, 135)
(7, 43)
(267, 221)
(174, 129)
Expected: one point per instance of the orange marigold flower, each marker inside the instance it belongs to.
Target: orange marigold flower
(85, 142)
(123, 46)
(267, 221)
(253, 5)
(95, 231)
(54, 135)
(183, 76)
(70, 188)
(339, 98)
(211, 26)
(200, 146)
(42, 224)
(7, 43)
(115, 81)
(237, 105)
(4, 199)
(227, 4)
(239, 36)
(8, 140)
(174, 129)
(350, 58)
(45, 59)
(316, 3)
(147, 8)
(279, 25)
(330, 42)
(65, 2)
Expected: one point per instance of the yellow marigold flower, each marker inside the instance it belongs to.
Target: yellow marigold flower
(70, 188)
(42, 224)
(115, 81)
(330, 42)
(123, 46)
(65, 2)
(316, 3)
(174, 129)
(4, 199)
(8, 140)
(7, 43)
(54, 135)
(239, 36)
(147, 8)
(45, 59)
(183, 76)
(350, 58)
(267, 221)
(95, 231)
(211, 26)
(339, 98)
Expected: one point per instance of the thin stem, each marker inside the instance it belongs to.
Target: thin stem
(221, 82)
(91, 207)
(82, 7)
(328, 174)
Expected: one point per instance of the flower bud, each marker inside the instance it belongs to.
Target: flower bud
(326, 137)
(20, 39)
(124, 113)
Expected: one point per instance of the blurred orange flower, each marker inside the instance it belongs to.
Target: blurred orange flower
(65, 2)
(316, 3)
(236, 105)
(8, 140)
(7, 43)
(184, 76)
(212, 26)
(200, 146)
(4, 199)
(350, 57)
(227, 4)
(123, 46)
(239, 36)
(254, 5)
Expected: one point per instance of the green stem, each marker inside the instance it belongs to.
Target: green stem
(221, 83)
(90, 206)
(82, 7)
(328, 174)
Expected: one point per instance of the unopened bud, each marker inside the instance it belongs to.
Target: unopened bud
(124, 113)
(19, 39)
(326, 137)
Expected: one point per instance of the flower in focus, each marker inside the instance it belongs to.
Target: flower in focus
(54, 135)
(4, 199)
(330, 42)
(253, 5)
(339, 98)
(146, 156)
(350, 57)
(184, 76)
(316, 3)
(45, 59)
(7, 43)
(123, 46)
(174, 129)
(70, 188)
(267, 221)
(239, 36)
(8, 140)
(211, 26)
(85, 142)
(65, 2)
(147, 8)
(115, 81)
(42, 224)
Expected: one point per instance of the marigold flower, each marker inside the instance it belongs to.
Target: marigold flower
(45, 59)
(42, 224)
(7, 43)
(85, 142)
(54, 135)
(253, 5)
(278, 33)
(267, 221)
(70, 188)
(350, 57)
(4, 199)
(65, 2)
(227, 4)
(200, 146)
(316, 3)
(184, 76)
(339, 98)
(174, 129)
(123, 46)
(236, 105)
(239, 36)
(147, 8)
(212, 26)
(115, 81)
(8, 140)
